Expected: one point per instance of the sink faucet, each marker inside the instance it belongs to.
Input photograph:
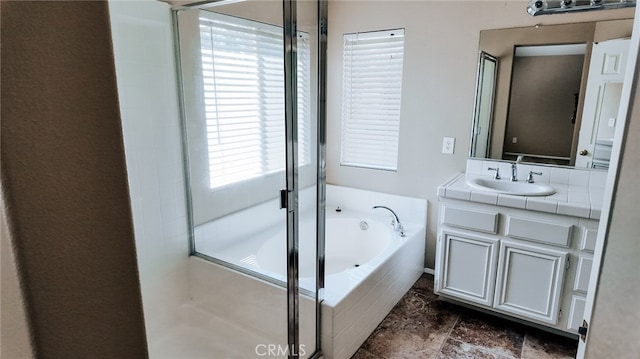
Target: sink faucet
(514, 172)
(395, 222)
(530, 177)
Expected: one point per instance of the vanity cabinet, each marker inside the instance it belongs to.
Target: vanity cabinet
(529, 280)
(530, 265)
(469, 266)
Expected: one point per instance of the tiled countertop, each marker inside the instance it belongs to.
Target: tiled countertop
(570, 199)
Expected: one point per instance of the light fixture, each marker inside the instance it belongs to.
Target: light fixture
(545, 7)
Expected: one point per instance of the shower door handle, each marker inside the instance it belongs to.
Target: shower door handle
(283, 199)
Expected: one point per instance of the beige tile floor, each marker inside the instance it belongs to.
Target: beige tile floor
(422, 326)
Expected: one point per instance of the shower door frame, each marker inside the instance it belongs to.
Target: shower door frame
(289, 195)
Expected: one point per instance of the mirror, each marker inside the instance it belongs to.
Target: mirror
(532, 93)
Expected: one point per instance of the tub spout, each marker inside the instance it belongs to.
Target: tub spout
(395, 222)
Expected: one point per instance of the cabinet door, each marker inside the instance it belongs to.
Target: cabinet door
(468, 265)
(529, 281)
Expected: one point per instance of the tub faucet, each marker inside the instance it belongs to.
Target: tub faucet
(395, 222)
(514, 172)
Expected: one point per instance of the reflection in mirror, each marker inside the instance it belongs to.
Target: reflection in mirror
(483, 113)
(525, 119)
(602, 100)
(543, 102)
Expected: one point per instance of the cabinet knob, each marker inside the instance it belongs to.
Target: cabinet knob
(583, 152)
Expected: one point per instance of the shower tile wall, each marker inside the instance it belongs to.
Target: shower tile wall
(142, 40)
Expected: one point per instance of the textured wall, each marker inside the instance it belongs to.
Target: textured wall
(64, 174)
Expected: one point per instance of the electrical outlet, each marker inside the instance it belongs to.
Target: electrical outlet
(612, 122)
(448, 145)
(514, 140)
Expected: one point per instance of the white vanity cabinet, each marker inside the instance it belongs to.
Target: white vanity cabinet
(469, 266)
(529, 280)
(530, 265)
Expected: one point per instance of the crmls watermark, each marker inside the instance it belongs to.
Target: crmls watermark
(277, 350)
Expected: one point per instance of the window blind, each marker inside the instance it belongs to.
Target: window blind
(243, 87)
(371, 92)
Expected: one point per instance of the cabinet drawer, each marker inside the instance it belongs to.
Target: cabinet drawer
(539, 231)
(588, 242)
(582, 274)
(576, 313)
(470, 219)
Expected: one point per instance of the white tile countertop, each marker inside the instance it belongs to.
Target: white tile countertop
(579, 192)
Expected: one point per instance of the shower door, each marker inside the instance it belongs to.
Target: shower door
(249, 78)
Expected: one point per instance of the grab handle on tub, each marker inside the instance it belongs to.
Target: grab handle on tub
(397, 226)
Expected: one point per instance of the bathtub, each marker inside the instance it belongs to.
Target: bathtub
(352, 240)
(368, 266)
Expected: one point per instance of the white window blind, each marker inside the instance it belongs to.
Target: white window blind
(371, 91)
(243, 80)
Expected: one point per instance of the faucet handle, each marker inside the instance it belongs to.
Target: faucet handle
(497, 169)
(400, 230)
(530, 177)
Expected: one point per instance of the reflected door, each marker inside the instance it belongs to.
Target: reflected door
(602, 101)
(483, 113)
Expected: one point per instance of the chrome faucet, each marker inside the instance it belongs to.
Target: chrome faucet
(497, 169)
(530, 177)
(514, 172)
(395, 222)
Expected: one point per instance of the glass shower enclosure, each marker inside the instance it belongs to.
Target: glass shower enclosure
(252, 89)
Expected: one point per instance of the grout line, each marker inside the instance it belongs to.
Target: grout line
(448, 335)
(524, 340)
(370, 353)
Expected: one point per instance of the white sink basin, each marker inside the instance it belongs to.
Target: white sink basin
(514, 188)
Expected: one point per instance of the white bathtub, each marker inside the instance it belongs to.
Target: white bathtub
(368, 266)
(352, 240)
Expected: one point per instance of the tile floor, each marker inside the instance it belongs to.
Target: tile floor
(422, 326)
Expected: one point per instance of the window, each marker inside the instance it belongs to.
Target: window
(243, 87)
(371, 89)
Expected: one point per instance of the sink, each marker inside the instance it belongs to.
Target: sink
(507, 187)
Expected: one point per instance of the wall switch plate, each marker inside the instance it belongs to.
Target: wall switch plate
(448, 144)
(612, 122)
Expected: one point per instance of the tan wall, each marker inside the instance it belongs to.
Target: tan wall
(441, 53)
(64, 173)
(541, 104)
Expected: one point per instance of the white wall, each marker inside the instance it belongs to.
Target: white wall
(441, 45)
(145, 71)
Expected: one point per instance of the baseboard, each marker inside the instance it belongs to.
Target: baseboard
(429, 271)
